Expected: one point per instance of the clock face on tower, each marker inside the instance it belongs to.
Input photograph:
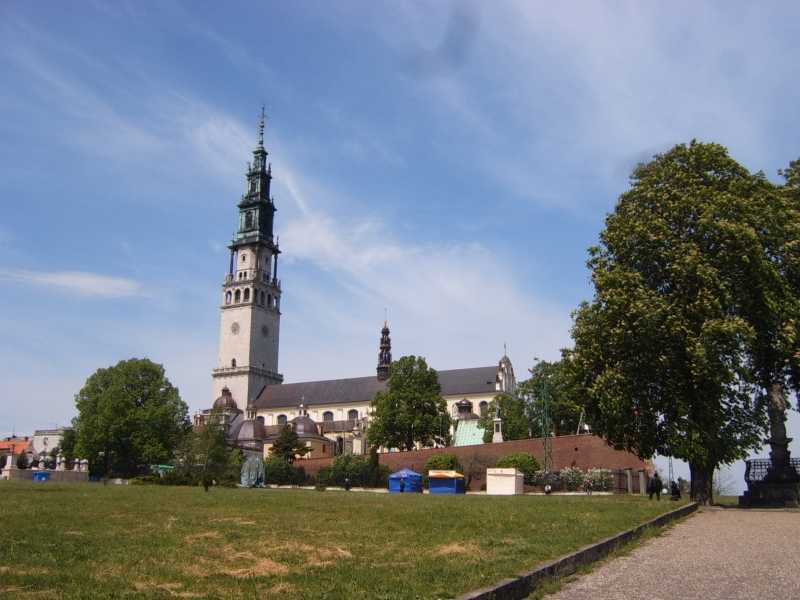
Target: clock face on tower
(234, 328)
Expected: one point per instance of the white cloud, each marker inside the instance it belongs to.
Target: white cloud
(77, 282)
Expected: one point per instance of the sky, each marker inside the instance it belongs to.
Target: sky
(448, 162)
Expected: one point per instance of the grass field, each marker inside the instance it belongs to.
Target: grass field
(152, 541)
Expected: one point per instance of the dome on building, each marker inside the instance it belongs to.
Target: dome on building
(225, 401)
(304, 425)
(251, 429)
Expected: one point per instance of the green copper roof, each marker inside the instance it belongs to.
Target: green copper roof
(468, 433)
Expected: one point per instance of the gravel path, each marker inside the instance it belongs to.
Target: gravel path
(714, 554)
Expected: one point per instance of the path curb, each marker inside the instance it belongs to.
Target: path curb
(522, 585)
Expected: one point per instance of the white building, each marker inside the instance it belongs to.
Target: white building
(249, 392)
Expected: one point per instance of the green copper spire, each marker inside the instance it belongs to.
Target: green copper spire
(257, 208)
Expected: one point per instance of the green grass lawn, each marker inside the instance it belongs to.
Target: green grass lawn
(153, 541)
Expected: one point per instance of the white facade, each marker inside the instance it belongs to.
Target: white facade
(504, 482)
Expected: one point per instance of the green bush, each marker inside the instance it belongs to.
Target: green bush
(522, 461)
(360, 470)
(445, 462)
(279, 472)
(573, 478)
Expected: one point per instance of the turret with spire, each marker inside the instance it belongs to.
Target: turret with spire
(385, 353)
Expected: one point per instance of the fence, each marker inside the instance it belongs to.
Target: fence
(756, 469)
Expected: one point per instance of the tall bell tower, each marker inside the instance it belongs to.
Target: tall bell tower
(251, 294)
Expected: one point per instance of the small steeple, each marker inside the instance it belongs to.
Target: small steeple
(384, 353)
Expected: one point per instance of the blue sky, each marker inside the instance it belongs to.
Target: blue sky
(449, 161)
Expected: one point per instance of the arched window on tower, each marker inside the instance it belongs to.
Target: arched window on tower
(281, 419)
(352, 414)
(269, 301)
(248, 220)
(247, 294)
(227, 297)
(233, 363)
(263, 296)
(237, 296)
(327, 416)
(483, 407)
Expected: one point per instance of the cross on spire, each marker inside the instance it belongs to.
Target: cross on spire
(261, 127)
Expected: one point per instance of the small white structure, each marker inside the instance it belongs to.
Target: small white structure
(504, 482)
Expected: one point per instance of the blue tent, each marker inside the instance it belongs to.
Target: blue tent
(445, 482)
(405, 481)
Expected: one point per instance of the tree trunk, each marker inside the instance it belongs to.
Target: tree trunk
(701, 476)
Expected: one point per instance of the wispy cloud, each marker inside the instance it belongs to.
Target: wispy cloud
(77, 282)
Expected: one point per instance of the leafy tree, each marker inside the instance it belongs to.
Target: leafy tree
(443, 462)
(411, 410)
(68, 440)
(522, 461)
(765, 234)
(287, 445)
(22, 461)
(512, 413)
(660, 351)
(210, 452)
(129, 415)
(554, 379)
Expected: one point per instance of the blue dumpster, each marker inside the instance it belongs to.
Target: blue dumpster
(445, 482)
(405, 481)
(41, 476)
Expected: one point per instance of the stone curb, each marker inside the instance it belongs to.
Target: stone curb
(522, 585)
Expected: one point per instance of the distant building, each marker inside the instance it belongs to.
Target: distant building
(251, 399)
(15, 445)
(44, 440)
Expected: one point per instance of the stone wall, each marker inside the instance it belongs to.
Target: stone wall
(55, 476)
(583, 451)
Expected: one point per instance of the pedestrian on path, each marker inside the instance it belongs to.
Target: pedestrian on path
(655, 487)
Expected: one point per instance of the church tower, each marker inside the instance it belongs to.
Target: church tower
(384, 354)
(251, 294)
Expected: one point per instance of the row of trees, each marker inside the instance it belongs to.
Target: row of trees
(689, 347)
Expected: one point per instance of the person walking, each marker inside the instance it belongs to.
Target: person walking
(655, 487)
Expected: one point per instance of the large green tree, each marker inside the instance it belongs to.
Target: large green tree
(661, 352)
(512, 412)
(411, 410)
(288, 446)
(554, 380)
(129, 415)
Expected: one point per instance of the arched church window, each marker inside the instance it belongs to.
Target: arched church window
(352, 414)
(233, 363)
(327, 416)
(281, 419)
(248, 220)
(237, 297)
(263, 295)
(483, 407)
(227, 297)
(247, 294)
(269, 301)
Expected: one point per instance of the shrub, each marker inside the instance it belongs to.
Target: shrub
(361, 471)
(279, 472)
(600, 479)
(447, 462)
(522, 461)
(573, 478)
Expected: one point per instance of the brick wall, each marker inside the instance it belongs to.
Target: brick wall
(584, 451)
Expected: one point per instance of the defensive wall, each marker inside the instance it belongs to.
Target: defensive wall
(582, 451)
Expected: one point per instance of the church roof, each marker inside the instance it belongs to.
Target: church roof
(477, 380)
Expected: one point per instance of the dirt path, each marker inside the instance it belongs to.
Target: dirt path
(714, 554)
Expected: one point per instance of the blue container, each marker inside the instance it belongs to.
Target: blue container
(446, 485)
(405, 481)
(41, 476)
